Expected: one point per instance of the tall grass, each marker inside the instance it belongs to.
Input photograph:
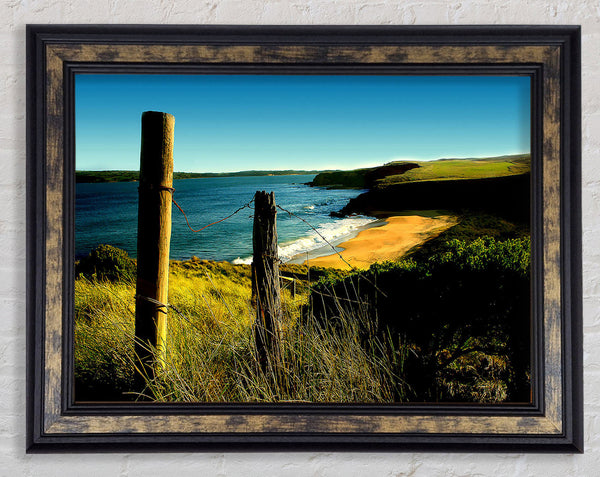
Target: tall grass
(451, 327)
(104, 339)
(211, 352)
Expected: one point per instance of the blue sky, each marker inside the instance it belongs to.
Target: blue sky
(241, 122)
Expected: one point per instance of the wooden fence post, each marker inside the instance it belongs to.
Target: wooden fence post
(266, 290)
(153, 238)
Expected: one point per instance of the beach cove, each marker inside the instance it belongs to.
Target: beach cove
(387, 239)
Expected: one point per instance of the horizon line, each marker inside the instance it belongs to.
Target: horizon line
(320, 169)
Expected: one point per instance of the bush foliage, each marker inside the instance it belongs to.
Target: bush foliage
(107, 263)
(460, 317)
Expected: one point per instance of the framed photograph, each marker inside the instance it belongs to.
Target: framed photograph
(293, 238)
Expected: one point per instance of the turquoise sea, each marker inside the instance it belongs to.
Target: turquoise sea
(106, 213)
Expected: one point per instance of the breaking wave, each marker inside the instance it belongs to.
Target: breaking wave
(333, 232)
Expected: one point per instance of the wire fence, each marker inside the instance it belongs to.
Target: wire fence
(248, 205)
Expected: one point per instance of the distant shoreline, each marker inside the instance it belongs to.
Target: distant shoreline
(90, 177)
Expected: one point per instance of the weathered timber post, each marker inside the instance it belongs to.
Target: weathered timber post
(153, 238)
(266, 290)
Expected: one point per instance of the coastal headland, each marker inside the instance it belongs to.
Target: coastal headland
(418, 201)
(414, 202)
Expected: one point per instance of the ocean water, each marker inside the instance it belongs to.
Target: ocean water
(106, 213)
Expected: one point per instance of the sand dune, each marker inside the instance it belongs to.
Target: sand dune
(388, 242)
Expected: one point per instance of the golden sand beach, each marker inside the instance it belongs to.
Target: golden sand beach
(390, 241)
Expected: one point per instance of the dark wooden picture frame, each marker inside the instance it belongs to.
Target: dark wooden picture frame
(550, 55)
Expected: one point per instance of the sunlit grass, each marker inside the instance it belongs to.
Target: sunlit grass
(211, 355)
(104, 339)
(449, 327)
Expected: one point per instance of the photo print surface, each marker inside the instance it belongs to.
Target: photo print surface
(302, 238)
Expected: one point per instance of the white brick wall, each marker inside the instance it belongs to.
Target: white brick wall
(14, 14)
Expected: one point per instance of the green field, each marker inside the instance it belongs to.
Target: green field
(453, 169)
(419, 171)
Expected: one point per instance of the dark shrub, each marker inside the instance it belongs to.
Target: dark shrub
(469, 300)
(107, 263)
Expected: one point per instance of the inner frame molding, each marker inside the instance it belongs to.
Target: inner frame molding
(551, 422)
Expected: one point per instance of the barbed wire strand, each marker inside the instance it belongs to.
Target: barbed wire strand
(246, 205)
(290, 213)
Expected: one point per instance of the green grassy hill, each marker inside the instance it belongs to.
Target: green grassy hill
(456, 169)
(417, 171)
(497, 185)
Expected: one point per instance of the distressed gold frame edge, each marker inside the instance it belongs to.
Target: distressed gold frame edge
(55, 423)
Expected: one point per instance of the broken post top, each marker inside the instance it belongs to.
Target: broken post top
(158, 134)
(264, 200)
